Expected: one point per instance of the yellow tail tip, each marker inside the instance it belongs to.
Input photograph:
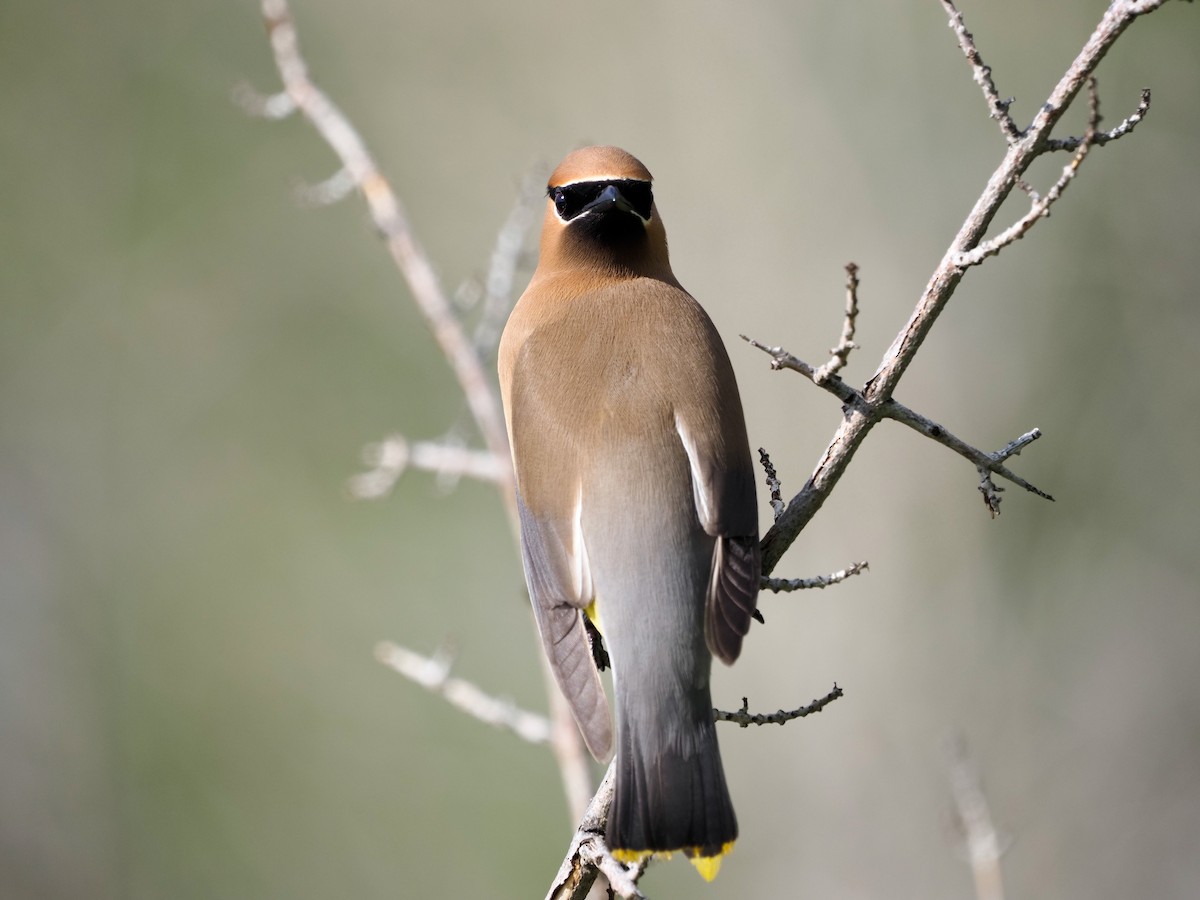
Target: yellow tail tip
(707, 866)
(633, 857)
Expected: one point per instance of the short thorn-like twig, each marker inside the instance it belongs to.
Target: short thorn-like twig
(984, 846)
(987, 487)
(1041, 206)
(389, 459)
(983, 76)
(264, 106)
(433, 674)
(335, 188)
(841, 353)
(745, 718)
(785, 585)
(773, 484)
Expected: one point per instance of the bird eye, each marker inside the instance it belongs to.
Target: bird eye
(560, 201)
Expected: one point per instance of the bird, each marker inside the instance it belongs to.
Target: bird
(636, 501)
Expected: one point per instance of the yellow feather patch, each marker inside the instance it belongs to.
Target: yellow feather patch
(708, 866)
(593, 614)
(633, 857)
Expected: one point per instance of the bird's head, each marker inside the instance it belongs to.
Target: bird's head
(600, 213)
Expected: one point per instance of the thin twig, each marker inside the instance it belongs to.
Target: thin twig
(855, 401)
(786, 585)
(1101, 138)
(390, 458)
(433, 674)
(989, 461)
(983, 844)
(263, 106)
(841, 353)
(987, 487)
(773, 484)
(744, 718)
(1041, 205)
(334, 189)
(983, 76)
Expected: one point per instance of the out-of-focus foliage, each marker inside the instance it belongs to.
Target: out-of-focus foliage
(189, 364)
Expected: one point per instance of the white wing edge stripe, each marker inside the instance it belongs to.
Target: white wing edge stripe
(698, 491)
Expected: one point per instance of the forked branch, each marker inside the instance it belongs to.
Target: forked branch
(864, 409)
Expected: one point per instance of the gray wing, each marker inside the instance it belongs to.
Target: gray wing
(556, 571)
(726, 504)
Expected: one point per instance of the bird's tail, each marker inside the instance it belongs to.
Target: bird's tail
(666, 801)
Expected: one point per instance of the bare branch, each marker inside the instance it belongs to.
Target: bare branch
(786, 585)
(841, 353)
(390, 218)
(390, 458)
(433, 673)
(1103, 137)
(856, 402)
(589, 854)
(1041, 205)
(988, 461)
(782, 359)
(773, 484)
(745, 718)
(860, 419)
(983, 76)
(983, 845)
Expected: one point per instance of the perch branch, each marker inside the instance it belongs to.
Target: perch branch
(589, 854)
(785, 585)
(433, 674)
(859, 419)
(744, 718)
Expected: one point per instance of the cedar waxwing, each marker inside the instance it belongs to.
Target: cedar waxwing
(636, 495)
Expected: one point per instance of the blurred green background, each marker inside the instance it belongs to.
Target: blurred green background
(190, 364)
